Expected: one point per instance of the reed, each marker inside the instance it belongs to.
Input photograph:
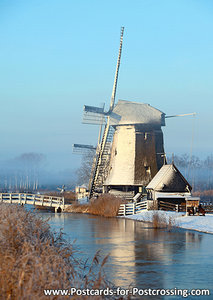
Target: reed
(105, 205)
(78, 208)
(32, 259)
(160, 220)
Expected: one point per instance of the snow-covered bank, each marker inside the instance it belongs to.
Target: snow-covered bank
(198, 223)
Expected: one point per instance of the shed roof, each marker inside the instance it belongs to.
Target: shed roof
(169, 178)
(128, 112)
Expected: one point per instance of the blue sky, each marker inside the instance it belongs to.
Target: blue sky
(56, 56)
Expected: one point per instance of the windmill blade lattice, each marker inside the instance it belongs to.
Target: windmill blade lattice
(101, 162)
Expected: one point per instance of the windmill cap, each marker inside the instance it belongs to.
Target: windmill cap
(128, 112)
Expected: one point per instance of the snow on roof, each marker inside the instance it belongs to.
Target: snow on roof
(128, 112)
(163, 173)
(164, 176)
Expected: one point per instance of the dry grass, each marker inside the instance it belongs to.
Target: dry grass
(78, 208)
(69, 196)
(160, 220)
(105, 205)
(33, 259)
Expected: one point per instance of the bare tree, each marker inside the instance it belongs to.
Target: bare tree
(30, 164)
(85, 169)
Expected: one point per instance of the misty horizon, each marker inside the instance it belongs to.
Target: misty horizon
(50, 69)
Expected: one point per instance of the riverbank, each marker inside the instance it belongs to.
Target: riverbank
(158, 218)
(198, 223)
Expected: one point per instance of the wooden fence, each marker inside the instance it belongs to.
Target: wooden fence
(167, 206)
(135, 208)
(208, 207)
(132, 208)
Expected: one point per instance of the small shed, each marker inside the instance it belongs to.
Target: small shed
(81, 191)
(169, 185)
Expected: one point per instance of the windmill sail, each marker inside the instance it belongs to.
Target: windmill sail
(81, 148)
(101, 161)
(94, 115)
(112, 103)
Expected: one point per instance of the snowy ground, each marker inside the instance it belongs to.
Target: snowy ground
(199, 223)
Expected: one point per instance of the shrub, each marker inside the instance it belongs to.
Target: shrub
(160, 220)
(78, 208)
(105, 205)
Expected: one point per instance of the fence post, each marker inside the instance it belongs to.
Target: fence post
(124, 209)
(134, 207)
(177, 208)
(63, 202)
(10, 198)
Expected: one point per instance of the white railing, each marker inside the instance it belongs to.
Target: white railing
(34, 199)
(132, 208)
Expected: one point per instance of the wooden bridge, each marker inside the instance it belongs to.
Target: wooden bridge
(34, 199)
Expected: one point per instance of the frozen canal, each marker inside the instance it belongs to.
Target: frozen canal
(141, 256)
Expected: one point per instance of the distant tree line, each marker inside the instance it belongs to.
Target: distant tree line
(194, 161)
(21, 173)
(199, 172)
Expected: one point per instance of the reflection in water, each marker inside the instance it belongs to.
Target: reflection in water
(139, 255)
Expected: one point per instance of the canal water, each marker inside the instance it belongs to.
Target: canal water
(141, 256)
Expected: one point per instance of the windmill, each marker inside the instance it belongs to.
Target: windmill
(61, 189)
(130, 150)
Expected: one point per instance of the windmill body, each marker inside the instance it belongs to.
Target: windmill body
(137, 149)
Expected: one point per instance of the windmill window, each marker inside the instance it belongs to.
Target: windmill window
(115, 151)
(148, 170)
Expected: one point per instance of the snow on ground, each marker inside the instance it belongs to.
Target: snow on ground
(83, 200)
(198, 223)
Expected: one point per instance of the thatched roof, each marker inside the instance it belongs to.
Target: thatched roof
(169, 179)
